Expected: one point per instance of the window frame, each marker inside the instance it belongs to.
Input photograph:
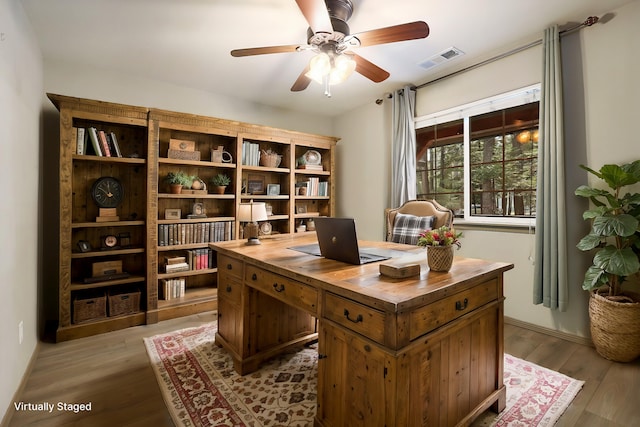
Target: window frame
(502, 101)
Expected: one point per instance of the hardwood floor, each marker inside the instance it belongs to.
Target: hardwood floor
(112, 372)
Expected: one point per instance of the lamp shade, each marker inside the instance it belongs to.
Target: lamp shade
(252, 212)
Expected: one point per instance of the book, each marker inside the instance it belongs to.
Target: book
(80, 141)
(93, 136)
(403, 267)
(116, 146)
(103, 144)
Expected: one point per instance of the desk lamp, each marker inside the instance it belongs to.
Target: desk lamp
(251, 213)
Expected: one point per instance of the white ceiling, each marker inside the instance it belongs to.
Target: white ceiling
(187, 42)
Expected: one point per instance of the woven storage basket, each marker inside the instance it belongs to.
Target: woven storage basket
(87, 308)
(615, 328)
(270, 160)
(440, 258)
(124, 303)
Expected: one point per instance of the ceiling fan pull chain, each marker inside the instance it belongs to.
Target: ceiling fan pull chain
(327, 86)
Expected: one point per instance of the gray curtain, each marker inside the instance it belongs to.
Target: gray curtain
(403, 147)
(550, 286)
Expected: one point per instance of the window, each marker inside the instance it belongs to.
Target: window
(480, 160)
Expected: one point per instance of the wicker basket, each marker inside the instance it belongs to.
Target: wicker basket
(440, 258)
(615, 328)
(270, 160)
(89, 307)
(124, 303)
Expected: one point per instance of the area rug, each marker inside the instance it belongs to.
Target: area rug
(200, 387)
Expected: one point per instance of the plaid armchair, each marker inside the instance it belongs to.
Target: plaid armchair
(404, 224)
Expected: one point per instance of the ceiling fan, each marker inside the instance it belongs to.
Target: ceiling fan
(329, 37)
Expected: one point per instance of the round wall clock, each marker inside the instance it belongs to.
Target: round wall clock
(107, 192)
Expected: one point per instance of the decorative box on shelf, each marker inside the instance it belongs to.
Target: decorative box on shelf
(182, 150)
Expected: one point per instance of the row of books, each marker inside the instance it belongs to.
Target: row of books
(250, 153)
(193, 259)
(314, 187)
(96, 142)
(200, 232)
(172, 288)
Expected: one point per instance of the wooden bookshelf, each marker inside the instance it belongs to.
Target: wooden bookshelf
(144, 137)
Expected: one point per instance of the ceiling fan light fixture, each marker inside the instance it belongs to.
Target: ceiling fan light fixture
(319, 67)
(335, 68)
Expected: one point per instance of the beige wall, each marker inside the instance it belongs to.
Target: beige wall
(20, 157)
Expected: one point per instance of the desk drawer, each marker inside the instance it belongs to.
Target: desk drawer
(286, 290)
(229, 287)
(230, 266)
(436, 314)
(357, 317)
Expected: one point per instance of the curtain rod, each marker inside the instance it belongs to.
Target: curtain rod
(587, 23)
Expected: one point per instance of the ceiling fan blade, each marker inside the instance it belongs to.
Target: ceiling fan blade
(396, 33)
(316, 14)
(302, 82)
(265, 50)
(369, 69)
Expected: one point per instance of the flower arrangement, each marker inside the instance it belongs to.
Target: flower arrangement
(443, 236)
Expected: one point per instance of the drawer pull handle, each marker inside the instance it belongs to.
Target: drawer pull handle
(228, 288)
(322, 356)
(254, 276)
(357, 319)
(462, 305)
(229, 267)
(278, 288)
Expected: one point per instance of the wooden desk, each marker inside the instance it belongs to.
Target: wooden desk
(424, 351)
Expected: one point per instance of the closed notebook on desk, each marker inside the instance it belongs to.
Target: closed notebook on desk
(338, 240)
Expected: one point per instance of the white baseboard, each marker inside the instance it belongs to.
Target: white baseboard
(548, 331)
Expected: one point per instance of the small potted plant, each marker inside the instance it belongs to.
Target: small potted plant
(614, 239)
(440, 243)
(220, 182)
(177, 180)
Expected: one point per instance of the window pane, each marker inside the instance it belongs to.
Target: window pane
(440, 164)
(503, 158)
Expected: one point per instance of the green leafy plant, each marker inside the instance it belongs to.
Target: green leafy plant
(443, 236)
(615, 232)
(179, 178)
(220, 180)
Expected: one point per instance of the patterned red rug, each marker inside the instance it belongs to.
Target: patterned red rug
(201, 388)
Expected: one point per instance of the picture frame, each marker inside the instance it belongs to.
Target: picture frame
(301, 208)
(172, 213)
(255, 184)
(125, 239)
(273, 189)
(84, 246)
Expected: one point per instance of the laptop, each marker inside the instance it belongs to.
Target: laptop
(338, 241)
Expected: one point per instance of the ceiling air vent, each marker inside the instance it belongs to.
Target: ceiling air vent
(445, 55)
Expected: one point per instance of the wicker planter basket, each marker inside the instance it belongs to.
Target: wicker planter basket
(270, 160)
(440, 258)
(615, 328)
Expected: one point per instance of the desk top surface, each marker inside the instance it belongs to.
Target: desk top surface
(363, 283)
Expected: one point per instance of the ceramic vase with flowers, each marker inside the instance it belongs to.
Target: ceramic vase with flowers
(440, 243)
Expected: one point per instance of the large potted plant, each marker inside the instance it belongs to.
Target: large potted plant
(614, 238)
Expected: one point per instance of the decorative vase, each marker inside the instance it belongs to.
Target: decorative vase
(440, 258)
(615, 327)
